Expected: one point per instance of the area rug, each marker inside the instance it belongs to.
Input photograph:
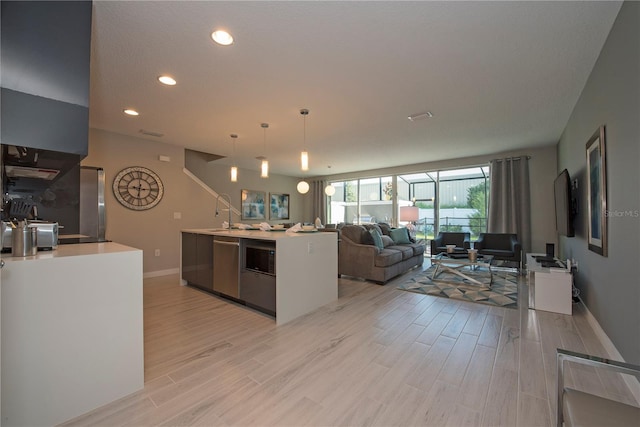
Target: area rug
(503, 291)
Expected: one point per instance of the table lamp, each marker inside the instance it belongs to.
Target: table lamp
(409, 213)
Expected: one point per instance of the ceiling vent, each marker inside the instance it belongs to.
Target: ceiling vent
(420, 116)
(150, 133)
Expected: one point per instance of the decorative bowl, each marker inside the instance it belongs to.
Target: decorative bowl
(308, 227)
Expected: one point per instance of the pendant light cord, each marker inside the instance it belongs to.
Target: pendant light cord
(264, 145)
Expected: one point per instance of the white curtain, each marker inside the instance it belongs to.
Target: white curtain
(319, 200)
(509, 199)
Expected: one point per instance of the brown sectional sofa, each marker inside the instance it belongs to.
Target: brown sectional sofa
(358, 256)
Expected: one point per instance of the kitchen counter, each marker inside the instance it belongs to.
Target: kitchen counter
(254, 234)
(306, 268)
(64, 251)
(72, 331)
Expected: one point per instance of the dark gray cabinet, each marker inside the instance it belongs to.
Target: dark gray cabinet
(46, 48)
(258, 290)
(197, 260)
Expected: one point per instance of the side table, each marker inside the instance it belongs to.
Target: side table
(550, 288)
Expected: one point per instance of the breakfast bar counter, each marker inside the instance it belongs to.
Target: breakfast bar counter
(306, 266)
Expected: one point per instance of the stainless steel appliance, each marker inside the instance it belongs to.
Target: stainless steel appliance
(226, 265)
(260, 256)
(47, 234)
(92, 210)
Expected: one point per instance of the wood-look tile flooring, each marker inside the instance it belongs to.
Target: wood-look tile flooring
(377, 356)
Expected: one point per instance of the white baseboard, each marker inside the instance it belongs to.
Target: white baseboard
(612, 351)
(159, 273)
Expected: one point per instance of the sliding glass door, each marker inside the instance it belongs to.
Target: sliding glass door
(419, 190)
(445, 200)
(463, 200)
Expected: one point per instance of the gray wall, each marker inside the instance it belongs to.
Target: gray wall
(610, 286)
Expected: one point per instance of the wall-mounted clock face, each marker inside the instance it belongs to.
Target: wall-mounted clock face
(138, 188)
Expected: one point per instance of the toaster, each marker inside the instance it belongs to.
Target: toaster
(47, 234)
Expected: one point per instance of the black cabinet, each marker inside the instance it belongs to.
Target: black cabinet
(197, 260)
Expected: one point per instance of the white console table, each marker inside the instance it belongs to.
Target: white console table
(549, 288)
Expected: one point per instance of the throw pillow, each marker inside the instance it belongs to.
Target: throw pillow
(400, 235)
(366, 238)
(387, 241)
(377, 238)
(384, 228)
(370, 226)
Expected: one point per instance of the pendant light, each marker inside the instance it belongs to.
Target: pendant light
(234, 169)
(330, 190)
(264, 166)
(303, 186)
(304, 155)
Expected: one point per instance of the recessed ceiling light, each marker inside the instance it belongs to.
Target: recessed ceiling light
(131, 112)
(167, 80)
(222, 37)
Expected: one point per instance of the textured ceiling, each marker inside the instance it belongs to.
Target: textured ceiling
(496, 75)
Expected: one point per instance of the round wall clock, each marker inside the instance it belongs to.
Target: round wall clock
(138, 188)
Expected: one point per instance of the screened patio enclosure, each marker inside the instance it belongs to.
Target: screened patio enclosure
(447, 200)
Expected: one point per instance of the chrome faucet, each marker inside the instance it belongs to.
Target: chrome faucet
(229, 209)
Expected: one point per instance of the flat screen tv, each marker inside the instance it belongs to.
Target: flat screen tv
(563, 204)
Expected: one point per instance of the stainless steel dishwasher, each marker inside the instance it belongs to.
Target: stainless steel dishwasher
(226, 265)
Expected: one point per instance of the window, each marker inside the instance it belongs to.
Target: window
(362, 201)
(448, 200)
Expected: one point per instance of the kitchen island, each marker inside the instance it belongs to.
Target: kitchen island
(306, 266)
(72, 331)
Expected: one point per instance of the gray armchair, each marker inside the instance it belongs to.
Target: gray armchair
(504, 246)
(461, 240)
(580, 408)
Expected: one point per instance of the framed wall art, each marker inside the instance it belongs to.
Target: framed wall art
(597, 192)
(253, 205)
(278, 206)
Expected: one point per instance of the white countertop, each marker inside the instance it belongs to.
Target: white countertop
(534, 266)
(255, 234)
(79, 249)
(72, 331)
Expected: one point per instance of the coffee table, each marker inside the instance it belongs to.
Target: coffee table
(462, 267)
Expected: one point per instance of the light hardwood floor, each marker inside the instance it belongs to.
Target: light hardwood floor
(378, 356)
